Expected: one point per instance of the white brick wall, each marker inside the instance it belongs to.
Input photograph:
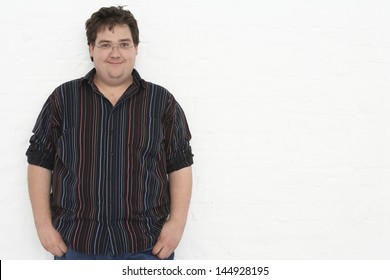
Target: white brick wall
(288, 103)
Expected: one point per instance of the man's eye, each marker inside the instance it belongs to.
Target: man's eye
(125, 45)
(105, 45)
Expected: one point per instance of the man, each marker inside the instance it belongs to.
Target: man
(110, 161)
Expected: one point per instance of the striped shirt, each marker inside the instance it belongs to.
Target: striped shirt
(110, 189)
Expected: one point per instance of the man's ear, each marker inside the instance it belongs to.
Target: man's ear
(91, 50)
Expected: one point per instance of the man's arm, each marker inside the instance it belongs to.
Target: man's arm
(39, 181)
(180, 182)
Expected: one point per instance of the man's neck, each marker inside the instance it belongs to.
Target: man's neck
(112, 91)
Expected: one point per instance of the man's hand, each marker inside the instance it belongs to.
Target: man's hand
(168, 240)
(52, 241)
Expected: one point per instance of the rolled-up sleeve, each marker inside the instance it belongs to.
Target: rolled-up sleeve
(177, 139)
(41, 150)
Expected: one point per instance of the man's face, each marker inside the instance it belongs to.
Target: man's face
(114, 64)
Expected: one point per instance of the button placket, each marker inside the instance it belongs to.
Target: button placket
(110, 158)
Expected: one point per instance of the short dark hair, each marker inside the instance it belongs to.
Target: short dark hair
(109, 17)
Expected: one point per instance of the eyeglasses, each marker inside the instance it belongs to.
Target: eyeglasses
(110, 46)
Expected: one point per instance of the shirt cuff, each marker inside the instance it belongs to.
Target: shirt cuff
(40, 158)
(181, 159)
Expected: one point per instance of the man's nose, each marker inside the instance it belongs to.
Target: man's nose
(115, 50)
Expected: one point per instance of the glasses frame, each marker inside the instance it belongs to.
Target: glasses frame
(111, 46)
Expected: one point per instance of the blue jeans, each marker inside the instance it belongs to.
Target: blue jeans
(146, 255)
